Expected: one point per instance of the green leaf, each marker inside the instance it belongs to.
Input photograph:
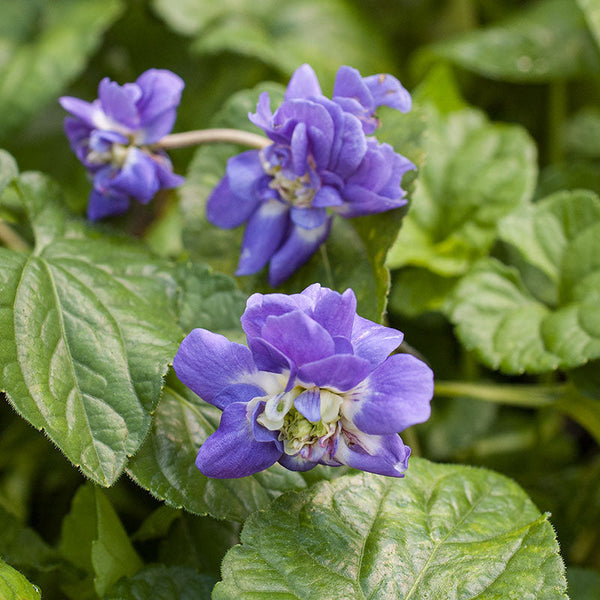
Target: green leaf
(544, 42)
(14, 586)
(443, 531)
(509, 328)
(163, 583)
(88, 328)
(8, 170)
(582, 133)
(198, 543)
(94, 540)
(44, 46)
(584, 584)
(276, 33)
(591, 11)
(23, 547)
(475, 172)
(165, 465)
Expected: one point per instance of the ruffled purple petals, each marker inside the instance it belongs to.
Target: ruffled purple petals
(296, 250)
(300, 395)
(393, 397)
(207, 363)
(232, 451)
(335, 311)
(298, 337)
(111, 137)
(261, 306)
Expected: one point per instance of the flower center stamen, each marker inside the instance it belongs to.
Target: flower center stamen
(296, 192)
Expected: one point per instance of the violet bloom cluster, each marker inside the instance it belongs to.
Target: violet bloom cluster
(315, 385)
(322, 162)
(114, 135)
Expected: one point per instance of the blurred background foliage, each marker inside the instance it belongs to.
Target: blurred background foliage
(523, 74)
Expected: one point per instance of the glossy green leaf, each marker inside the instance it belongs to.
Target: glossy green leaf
(543, 42)
(165, 465)
(94, 540)
(276, 33)
(498, 317)
(443, 531)
(43, 46)
(88, 329)
(163, 583)
(475, 173)
(14, 586)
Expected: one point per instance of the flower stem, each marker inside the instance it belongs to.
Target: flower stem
(527, 396)
(212, 136)
(11, 239)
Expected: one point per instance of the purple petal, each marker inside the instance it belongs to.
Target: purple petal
(207, 363)
(263, 115)
(264, 233)
(384, 455)
(372, 341)
(161, 94)
(238, 392)
(303, 84)
(235, 197)
(232, 451)
(261, 306)
(388, 91)
(335, 311)
(299, 146)
(119, 102)
(349, 83)
(308, 404)
(298, 337)
(393, 397)
(268, 358)
(106, 205)
(297, 462)
(164, 171)
(340, 372)
(327, 196)
(292, 112)
(137, 177)
(86, 111)
(308, 218)
(297, 249)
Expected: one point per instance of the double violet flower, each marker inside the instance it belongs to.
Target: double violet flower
(315, 385)
(321, 162)
(114, 135)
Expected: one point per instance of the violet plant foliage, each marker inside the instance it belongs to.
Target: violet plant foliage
(113, 137)
(315, 385)
(322, 161)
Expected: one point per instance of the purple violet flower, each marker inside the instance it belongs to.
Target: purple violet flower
(315, 385)
(113, 137)
(320, 163)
